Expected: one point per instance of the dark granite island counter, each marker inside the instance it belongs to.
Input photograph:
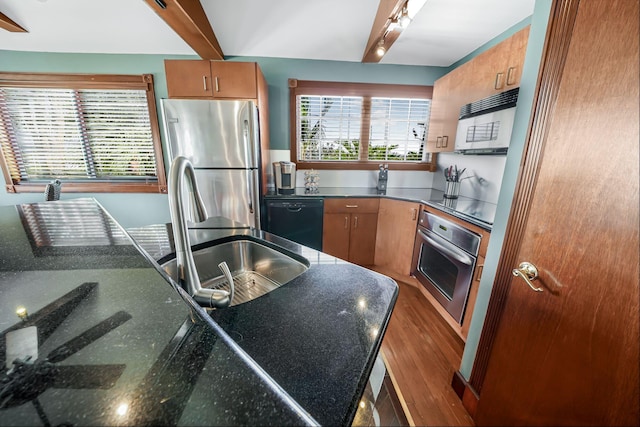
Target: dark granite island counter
(112, 342)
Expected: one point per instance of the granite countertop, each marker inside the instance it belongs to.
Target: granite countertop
(474, 211)
(113, 341)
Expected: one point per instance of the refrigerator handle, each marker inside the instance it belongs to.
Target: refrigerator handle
(251, 161)
(249, 192)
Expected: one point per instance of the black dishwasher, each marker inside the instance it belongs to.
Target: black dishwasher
(299, 220)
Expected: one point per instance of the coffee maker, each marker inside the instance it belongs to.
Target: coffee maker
(284, 174)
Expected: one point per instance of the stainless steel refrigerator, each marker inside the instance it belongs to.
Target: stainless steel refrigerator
(221, 138)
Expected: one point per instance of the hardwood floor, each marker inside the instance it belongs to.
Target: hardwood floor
(422, 353)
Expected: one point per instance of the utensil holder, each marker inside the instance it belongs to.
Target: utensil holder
(452, 189)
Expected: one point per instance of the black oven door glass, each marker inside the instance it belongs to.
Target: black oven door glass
(439, 269)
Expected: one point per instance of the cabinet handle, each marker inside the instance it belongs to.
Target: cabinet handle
(355, 224)
(204, 82)
(346, 222)
(217, 85)
(510, 75)
(498, 83)
(445, 141)
(414, 214)
(439, 142)
(479, 272)
(351, 206)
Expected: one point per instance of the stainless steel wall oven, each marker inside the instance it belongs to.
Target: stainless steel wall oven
(444, 258)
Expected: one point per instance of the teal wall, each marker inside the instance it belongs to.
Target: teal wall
(528, 82)
(133, 210)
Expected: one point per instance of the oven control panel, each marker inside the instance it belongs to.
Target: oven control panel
(465, 239)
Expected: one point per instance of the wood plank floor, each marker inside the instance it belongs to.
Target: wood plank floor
(422, 353)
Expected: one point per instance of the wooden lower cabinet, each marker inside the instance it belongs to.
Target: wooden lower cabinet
(349, 229)
(362, 238)
(396, 232)
(335, 234)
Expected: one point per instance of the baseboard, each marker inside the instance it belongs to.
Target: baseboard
(466, 393)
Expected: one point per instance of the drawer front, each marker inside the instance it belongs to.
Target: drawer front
(363, 205)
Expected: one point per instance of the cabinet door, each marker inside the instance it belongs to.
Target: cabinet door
(335, 235)
(395, 236)
(445, 110)
(517, 51)
(362, 239)
(437, 114)
(188, 79)
(499, 68)
(234, 80)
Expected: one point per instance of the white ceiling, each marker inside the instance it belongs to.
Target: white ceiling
(441, 33)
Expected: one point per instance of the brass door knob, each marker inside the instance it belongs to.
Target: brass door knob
(529, 273)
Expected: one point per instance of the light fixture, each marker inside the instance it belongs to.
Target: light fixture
(122, 409)
(404, 20)
(380, 49)
(22, 313)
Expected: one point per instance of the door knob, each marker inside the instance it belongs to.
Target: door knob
(529, 273)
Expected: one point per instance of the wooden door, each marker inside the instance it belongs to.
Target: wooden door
(335, 234)
(569, 355)
(236, 80)
(362, 238)
(188, 78)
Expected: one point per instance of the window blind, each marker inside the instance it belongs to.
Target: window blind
(76, 134)
(398, 129)
(328, 127)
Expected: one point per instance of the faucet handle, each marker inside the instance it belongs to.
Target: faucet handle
(227, 274)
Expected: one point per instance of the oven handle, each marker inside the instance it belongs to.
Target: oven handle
(453, 253)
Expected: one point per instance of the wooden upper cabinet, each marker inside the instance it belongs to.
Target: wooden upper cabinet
(211, 79)
(500, 68)
(234, 79)
(445, 109)
(493, 71)
(188, 78)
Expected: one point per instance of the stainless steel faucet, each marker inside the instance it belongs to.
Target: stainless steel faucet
(186, 266)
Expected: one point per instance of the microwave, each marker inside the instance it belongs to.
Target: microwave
(485, 126)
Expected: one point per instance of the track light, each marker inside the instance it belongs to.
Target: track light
(404, 20)
(380, 49)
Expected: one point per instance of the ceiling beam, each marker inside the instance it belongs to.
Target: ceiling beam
(7, 24)
(387, 10)
(189, 20)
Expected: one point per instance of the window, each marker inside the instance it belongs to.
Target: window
(95, 133)
(359, 126)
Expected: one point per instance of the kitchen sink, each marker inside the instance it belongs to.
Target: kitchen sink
(255, 267)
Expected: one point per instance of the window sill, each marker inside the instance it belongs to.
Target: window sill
(93, 187)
